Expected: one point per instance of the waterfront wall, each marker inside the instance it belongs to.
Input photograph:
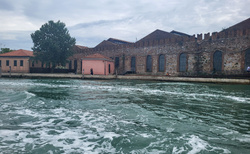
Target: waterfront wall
(128, 77)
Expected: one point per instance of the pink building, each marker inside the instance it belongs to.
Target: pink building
(97, 64)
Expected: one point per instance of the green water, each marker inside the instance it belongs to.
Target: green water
(120, 116)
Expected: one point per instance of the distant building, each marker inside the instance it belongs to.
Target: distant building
(97, 64)
(224, 53)
(17, 61)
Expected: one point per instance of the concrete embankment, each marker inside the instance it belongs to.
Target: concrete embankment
(130, 77)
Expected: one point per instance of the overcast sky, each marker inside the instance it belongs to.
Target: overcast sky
(91, 22)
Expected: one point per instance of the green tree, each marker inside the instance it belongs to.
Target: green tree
(4, 50)
(53, 43)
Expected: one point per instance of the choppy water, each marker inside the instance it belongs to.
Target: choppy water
(82, 116)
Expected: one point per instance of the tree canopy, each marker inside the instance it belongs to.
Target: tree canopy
(5, 50)
(53, 43)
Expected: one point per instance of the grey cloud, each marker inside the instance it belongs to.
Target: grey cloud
(98, 23)
(92, 21)
(16, 40)
(6, 5)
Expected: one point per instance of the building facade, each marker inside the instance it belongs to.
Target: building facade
(225, 53)
(17, 61)
(97, 64)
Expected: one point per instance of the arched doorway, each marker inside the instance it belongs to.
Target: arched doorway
(109, 69)
(75, 65)
(247, 59)
(217, 61)
(133, 62)
(70, 64)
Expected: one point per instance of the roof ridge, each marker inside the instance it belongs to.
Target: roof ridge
(18, 53)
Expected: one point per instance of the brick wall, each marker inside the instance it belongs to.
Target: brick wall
(199, 54)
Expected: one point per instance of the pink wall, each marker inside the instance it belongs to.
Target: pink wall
(100, 67)
(112, 67)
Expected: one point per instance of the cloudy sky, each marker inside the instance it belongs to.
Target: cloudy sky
(91, 22)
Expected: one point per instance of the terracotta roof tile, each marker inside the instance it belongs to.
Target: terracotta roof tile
(18, 53)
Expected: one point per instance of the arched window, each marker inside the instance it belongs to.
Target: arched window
(217, 61)
(117, 62)
(133, 64)
(161, 63)
(149, 64)
(183, 62)
(247, 59)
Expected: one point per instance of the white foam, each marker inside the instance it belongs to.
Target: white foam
(29, 94)
(110, 135)
(145, 135)
(178, 151)
(238, 99)
(8, 134)
(196, 144)
(244, 138)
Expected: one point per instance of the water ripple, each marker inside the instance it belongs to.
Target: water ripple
(82, 116)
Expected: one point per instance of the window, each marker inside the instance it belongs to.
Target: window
(42, 64)
(149, 64)
(247, 59)
(109, 69)
(70, 64)
(33, 63)
(21, 62)
(217, 61)
(0, 63)
(15, 62)
(133, 61)
(7, 63)
(161, 63)
(117, 61)
(183, 62)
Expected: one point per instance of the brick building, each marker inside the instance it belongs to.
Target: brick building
(225, 53)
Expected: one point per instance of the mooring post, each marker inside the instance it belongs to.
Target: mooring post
(83, 74)
(10, 72)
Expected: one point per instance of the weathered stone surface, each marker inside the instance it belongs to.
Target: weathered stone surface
(199, 54)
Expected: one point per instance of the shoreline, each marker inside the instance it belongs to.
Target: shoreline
(128, 77)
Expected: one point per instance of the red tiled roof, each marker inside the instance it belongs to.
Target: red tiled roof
(18, 53)
(81, 47)
(97, 56)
